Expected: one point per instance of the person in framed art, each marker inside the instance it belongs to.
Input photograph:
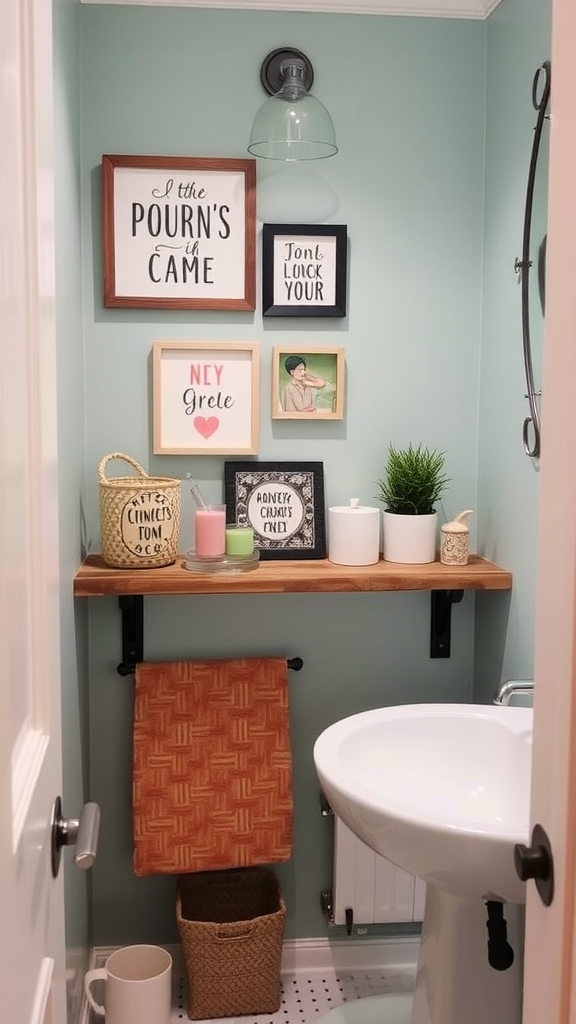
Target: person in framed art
(299, 393)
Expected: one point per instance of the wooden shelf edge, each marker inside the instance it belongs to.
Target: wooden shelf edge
(95, 579)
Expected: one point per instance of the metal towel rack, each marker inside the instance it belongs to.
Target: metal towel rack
(522, 266)
(132, 611)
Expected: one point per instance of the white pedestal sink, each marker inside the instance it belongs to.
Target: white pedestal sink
(443, 791)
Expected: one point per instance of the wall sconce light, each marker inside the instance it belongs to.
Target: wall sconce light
(291, 124)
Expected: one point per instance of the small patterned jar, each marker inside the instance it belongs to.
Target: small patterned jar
(454, 540)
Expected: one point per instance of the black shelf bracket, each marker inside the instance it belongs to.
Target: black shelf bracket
(441, 621)
(132, 609)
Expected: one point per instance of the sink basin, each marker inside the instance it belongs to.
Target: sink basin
(442, 790)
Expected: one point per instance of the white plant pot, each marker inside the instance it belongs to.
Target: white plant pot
(410, 538)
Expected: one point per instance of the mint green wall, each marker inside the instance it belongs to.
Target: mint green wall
(407, 97)
(71, 449)
(518, 42)
(427, 111)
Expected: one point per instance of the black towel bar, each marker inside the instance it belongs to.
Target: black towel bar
(295, 664)
(132, 611)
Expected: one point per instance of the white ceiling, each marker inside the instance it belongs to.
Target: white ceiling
(416, 8)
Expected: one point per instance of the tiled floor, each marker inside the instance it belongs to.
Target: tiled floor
(305, 997)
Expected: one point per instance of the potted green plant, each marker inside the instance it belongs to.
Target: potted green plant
(413, 482)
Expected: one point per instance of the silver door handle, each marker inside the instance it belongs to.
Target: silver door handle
(82, 833)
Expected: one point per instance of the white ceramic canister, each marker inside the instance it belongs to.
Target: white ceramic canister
(353, 534)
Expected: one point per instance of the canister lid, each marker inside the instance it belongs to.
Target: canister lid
(354, 508)
(458, 525)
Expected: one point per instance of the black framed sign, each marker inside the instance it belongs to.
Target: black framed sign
(304, 269)
(284, 504)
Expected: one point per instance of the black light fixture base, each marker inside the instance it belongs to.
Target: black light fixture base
(270, 71)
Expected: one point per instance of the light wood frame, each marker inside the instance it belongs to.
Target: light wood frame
(323, 364)
(179, 232)
(206, 397)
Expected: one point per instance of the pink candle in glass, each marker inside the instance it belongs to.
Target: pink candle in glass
(210, 531)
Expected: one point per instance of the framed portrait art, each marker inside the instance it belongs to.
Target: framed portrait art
(284, 504)
(205, 398)
(307, 383)
(304, 270)
(179, 232)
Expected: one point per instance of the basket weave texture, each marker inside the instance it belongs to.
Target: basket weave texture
(139, 517)
(231, 926)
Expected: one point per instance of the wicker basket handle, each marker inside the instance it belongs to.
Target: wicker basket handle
(242, 933)
(118, 455)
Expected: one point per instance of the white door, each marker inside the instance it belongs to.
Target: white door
(32, 987)
(550, 964)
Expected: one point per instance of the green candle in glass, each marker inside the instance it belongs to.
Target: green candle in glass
(239, 540)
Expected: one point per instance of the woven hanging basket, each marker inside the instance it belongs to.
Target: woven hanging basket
(139, 517)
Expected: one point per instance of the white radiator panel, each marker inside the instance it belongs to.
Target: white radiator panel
(377, 891)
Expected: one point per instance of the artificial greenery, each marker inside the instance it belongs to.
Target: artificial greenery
(414, 480)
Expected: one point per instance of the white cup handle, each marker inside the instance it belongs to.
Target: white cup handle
(98, 974)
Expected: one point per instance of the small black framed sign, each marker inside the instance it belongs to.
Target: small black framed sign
(284, 504)
(304, 269)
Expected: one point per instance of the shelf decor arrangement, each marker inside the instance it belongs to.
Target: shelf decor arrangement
(446, 584)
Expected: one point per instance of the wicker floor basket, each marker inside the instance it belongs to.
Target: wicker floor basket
(231, 925)
(139, 517)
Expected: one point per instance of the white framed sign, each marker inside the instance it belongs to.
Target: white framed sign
(205, 398)
(179, 232)
(304, 270)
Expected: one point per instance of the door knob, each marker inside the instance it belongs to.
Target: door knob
(82, 833)
(536, 861)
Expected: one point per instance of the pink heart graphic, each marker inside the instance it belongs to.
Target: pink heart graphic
(206, 427)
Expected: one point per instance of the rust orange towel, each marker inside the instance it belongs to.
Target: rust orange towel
(212, 767)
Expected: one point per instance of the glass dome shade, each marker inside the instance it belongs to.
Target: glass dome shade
(292, 125)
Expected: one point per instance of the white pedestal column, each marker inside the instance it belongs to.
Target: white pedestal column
(455, 984)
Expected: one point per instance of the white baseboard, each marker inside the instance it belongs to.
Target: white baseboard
(301, 956)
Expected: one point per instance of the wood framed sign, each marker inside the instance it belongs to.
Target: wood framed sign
(304, 269)
(284, 504)
(205, 397)
(179, 232)
(307, 383)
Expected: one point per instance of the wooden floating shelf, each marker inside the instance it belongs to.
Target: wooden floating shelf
(95, 579)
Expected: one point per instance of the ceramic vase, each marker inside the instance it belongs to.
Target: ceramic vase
(410, 538)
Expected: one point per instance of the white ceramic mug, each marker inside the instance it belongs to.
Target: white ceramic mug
(138, 982)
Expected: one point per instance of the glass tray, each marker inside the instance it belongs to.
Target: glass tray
(228, 563)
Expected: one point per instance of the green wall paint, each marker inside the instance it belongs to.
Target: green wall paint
(408, 97)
